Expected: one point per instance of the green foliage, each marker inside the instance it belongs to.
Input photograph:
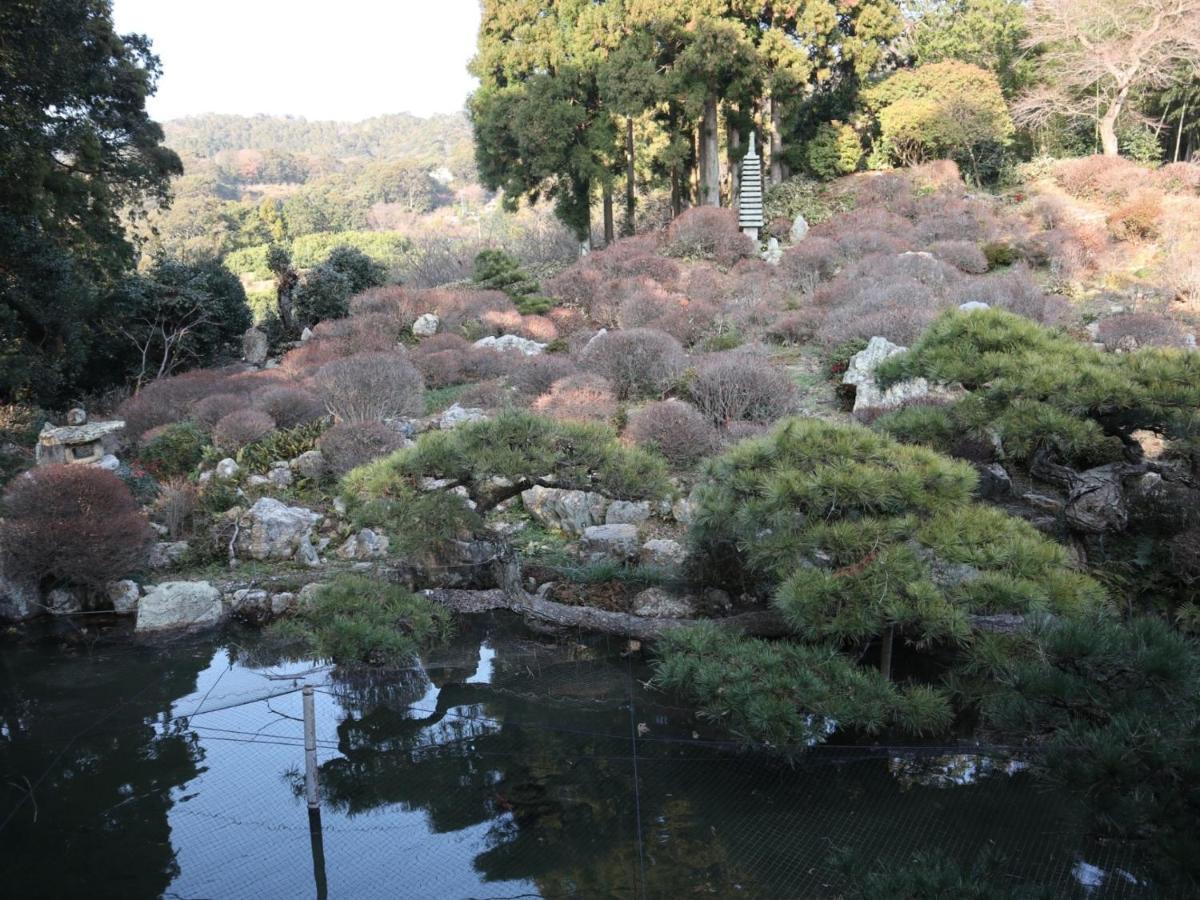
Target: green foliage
(1038, 388)
(175, 451)
(323, 293)
(788, 695)
(834, 150)
(284, 444)
(998, 253)
(984, 33)
(947, 109)
(358, 620)
(388, 249)
(359, 269)
(800, 196)
(1141, 144)
(249, 261)
(498, 271)
(1119, 705)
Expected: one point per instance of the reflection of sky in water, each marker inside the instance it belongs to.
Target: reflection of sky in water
(483, 673)
(1092, 878)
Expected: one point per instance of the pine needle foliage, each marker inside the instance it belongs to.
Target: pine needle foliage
(1037, 388)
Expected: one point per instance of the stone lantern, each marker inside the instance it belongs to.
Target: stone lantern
(77, 443)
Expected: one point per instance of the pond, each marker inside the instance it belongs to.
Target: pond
(506, 764)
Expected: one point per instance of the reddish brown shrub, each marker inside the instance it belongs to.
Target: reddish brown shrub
(175, 506)
(797, 327)
(245, 426)
(939, 174)
(638, 362)
(1107, 179)
(675, 429)
(1015, 290)
(72, 524)
(289, 406)
(534, 375)
(578, 398)
(348, 445)
(857, 243)
(709, 232)
(705, 283)
(963, 255)
(389, 300)
(538, 328)
(940, 217)
(1138, 219)
(169, 400)
(370, 387)
(210, 410)
(1141, 329)
(813, 259)
(740, 385)
(369, 333)
(885, 188)
(1178, 178)
(491, 394)
(568, 321)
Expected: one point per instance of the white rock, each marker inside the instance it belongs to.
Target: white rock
(284, 601)
(799, 229)
(63, 602)
(613, 541)
(511, 342)
(655, 603)
(164, 554)
(124, 596)
(310, 464)
(682, 510)
(108, 462)
(258, 481)
(868, 395)
(568, 511)
(459, 415)
(280, 478)
(179, 604)
(595, 337)
(426, 325)
(227, 469)
(972, 305)
(19, 599)
(365, 545)
(662, 552)
(774, 253)
(306, 335)
(306, 553)
(627, 512)
(272, 530)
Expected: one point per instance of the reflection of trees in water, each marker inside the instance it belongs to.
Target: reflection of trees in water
(107, 797)
(530, 752)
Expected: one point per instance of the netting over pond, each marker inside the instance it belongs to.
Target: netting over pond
(505, 766)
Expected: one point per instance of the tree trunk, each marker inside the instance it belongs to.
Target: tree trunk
(627, 227)
(710, 156)
(735, 176)
(610, 231)
(885, 653)
(676, 192)
(777, 173)
(1108, 124)
(1179, 133)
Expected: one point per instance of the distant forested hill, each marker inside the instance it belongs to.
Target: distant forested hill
(383, 137)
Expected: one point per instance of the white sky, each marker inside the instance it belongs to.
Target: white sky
(343, 60)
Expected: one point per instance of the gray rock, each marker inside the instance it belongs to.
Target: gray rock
(77, 415)
(19, 599)
(774, 253)
(511, 342)
(254, 346)
(179, 604)
(280, 478)
(250, 604)
(426, 325)
(308, 594)
(682, 510)
(610, 541)
(799, 229)
(994, 482)
(283, 602)
(306, 553)
(108, 462)
(258, 481)
(1043, 503)
(627, 512)
(655, 603)
(339, 505)
(165, 554)
(364, 545)
(227, 470)
(973, 305)
(306, 335)
(310, 464)
(1096, 502)
(124, 596)
(663, 552)
(595, 337)
(568, 511)
(459, 415)
(273, 530)
(868, 394)
(64, 602)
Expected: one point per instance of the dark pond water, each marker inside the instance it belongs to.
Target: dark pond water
(505, 765)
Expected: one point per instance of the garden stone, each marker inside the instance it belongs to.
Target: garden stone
(655, 603)
(364, 545)
(124, 596)
(258, 481)
(306, 335)
(511, 342)
(595, 337)
(1097, 503)
(179, 604)
(281, 478)
(627, 512)
(165, 554)
(994, 482)
(109, 463)
(682, 510)
(339, 505)
(227, 469)
(610, 541)
(662, 552)
(63, 602)
(254, 346)
(284, 601)
(459, 415)
(868, 394)
(250, 605)
(307, 595)
(19, 599)
(274, 530)
(310, 464)
(306, 554)
(568, 511)
(973, 305)
(160, 530)
(426, 325)
(774, 253)
(799, 229)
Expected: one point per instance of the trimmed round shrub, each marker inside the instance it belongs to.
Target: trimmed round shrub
(676, 429)
(963, 255)
(240, 428)
(72, 524)
(351, 444)
(638, 362)
(289, 406)
(371, 387)
(578, 398)
(536, 374)
(208, 411)
(731, 387)
(709, 232)
(172, 450)
(813, 259)
(1144, 329)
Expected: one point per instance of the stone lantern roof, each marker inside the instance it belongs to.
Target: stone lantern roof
(81, 442)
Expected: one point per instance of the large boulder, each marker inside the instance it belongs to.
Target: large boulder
(227, 469)
(273, 530)
(799, 229)
(663, 553)
(511, 342)
(618, 542)
(655, 603)
(366, 544)
(165, 554)
(869, 395)
(255, 346)
(426, 325)
(310, 464)
(179, 604)
(627, 512)
(568, 511)
(19, 599)
(124, 596)
(459, 415)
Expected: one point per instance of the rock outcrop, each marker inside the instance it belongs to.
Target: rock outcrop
(179, 604)
(271, 529)
(568, 511)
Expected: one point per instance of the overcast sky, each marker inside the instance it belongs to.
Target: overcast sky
(345, 59)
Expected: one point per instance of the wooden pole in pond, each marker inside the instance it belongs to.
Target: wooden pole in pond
(316, 837)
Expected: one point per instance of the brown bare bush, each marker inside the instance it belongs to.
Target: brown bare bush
(675, 429)
(1016, 290)
(289, 406)
(370, 387)
(1107, 179)
(1129, 331)
(72, 524)
(740, 385)
(709, 232)
(638, 362)
(535, 374)
(175, 507)
(242, 427)
(348, 445)
(963, 255)
(1137, 219)
(578, 398)
(812, 260)
(207, 411)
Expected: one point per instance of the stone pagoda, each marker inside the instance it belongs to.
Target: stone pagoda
(750, 201)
